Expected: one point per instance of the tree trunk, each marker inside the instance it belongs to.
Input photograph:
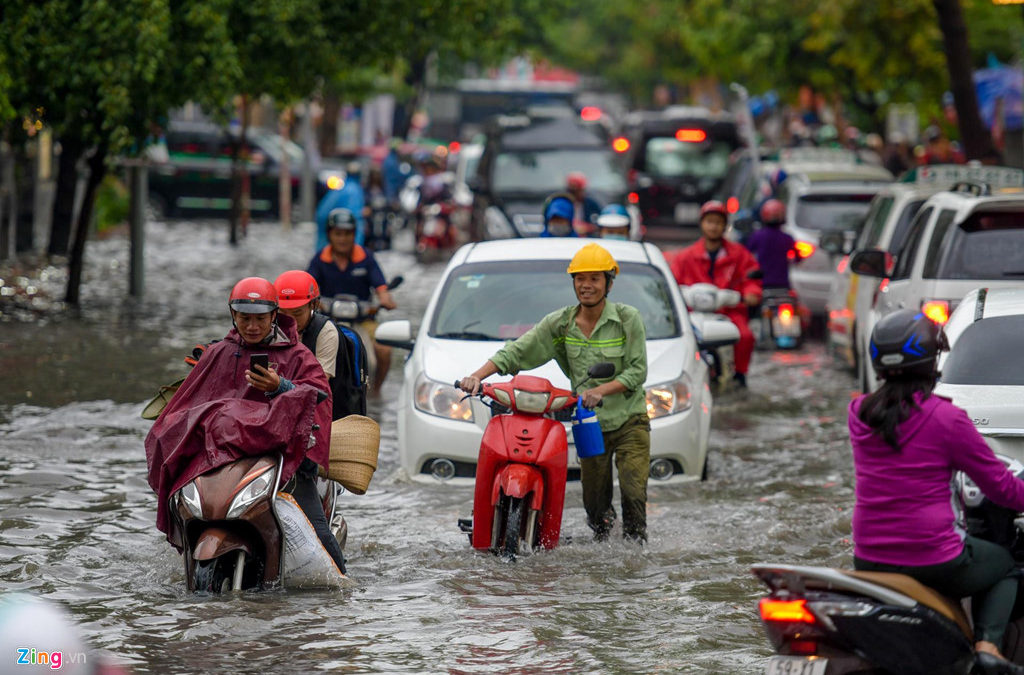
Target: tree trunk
(97, 170)
(977, 140)
(415, 78)
(64, 201)
(239, 178)
(329, 125)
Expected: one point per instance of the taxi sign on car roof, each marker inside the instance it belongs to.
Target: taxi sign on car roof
(818, 155)
(948, 174)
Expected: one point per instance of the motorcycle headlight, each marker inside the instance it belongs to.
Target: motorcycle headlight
(497, 225)
(189, 496)
(442, 400)
(669, 398)
(344, 310)
(531, 401)
(258, 487)
(334, 180)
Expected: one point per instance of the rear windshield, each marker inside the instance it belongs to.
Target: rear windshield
(988, 245)
(503, 300)
(832, 212)
(545, 170)
(667, 157)
(987, 352)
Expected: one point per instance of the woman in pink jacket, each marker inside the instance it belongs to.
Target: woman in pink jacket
(907, 446)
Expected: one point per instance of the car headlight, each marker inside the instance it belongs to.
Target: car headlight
(497, 224)
(442, 400)
(258, 487)
(189, 496)
(669, 398)
(334, 180)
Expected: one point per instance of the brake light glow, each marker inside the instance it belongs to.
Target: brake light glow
(590, 113)
(620, 144)
(789, 611)
(785, 312)
(691, 135)
(936, 310)
(843, 264)
(454, 147)
(732, 205)
(633, 198)
(804, 249)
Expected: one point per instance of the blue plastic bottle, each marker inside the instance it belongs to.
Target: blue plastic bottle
(586, 432)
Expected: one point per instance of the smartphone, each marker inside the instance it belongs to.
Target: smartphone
(259, 359)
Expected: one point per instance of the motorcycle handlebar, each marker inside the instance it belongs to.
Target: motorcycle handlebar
(458, 385)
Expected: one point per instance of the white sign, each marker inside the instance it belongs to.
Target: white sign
(948, 174)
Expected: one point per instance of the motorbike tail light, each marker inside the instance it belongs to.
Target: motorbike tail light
(786, 611)
(732, 205)
(633, 198)
(620, 144)
(691, 135)
(785, 312)
(936, 310)
(804, 249)
(454, 147)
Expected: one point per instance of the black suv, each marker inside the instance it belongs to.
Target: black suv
(526, 158)
(675, 160)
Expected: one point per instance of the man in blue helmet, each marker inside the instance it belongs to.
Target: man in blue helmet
(558, 215)
(614, 222)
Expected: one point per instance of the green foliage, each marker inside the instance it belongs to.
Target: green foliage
(112, 204)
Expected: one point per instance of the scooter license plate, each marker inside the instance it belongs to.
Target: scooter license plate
(796, 665)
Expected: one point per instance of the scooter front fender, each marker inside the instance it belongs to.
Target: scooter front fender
(214, 542)
(519, 480)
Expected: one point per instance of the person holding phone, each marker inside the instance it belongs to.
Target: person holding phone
(260, 360)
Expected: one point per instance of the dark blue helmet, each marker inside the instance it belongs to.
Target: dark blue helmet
(904, 343)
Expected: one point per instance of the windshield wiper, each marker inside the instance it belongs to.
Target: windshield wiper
(465, 335)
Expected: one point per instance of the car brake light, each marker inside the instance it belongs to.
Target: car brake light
(633, 198)
(691, 135)
(732, 205)
(936, 310)
(590, 113)
(788, 611)
(620, 144)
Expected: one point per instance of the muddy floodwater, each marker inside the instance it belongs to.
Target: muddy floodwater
(77, 515)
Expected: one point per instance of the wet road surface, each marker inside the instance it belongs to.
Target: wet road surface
(77, 515)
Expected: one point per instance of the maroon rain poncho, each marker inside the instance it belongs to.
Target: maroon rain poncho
(215, 417)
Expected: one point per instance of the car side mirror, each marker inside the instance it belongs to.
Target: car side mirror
(872, 263)
(598, 370)
(395, 334)
(718, 334)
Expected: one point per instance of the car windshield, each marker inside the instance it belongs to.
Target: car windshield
(986, 246)
(832, 212)
(503, 300)
(545, 170)
(987, 352)
(667, 157)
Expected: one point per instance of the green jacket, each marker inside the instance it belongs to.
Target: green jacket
(619, 337)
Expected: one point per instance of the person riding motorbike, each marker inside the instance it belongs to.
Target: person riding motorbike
(558, 216)
(585, 208)
(345, 267)
(907, 445)
(576, 337)
(349, 196)
(713, 259)
(614, 222)
(771, 246)
(224, 410)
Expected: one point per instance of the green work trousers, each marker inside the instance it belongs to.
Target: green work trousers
(630, 446)
(983, 570)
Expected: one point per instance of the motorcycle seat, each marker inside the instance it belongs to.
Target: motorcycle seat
(912, 588)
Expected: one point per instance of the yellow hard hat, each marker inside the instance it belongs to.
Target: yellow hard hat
(593, 258)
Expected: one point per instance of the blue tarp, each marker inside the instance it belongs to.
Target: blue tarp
(1000, 82)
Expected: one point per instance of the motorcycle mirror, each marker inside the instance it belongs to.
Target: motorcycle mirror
(395, 282)
(601, 370)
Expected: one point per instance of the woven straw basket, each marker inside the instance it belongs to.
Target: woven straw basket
(355, 441)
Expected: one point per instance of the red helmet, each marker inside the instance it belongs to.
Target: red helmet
(773, 212)
(576, 181)
(253, 295)
(296, 288)
(714, 206)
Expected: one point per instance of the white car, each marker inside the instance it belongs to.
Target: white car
(960, 239)
(495, 291)
(984, 370)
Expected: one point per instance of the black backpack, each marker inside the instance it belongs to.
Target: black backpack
(351, 371)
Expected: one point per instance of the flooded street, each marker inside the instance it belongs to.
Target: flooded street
(77, 515)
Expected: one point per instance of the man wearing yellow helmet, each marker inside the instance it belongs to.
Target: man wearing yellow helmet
(577, 337)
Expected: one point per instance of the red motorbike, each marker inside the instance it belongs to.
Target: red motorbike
(522, 466)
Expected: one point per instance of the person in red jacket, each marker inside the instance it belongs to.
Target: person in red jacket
(726, 264)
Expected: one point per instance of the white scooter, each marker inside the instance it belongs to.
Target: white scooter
(715, 333)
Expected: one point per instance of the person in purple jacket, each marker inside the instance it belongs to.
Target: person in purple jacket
(907, 446)
(771, 246)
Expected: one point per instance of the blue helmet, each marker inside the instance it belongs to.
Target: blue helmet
(559, 207)
(613, 215)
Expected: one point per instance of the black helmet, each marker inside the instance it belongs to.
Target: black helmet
(342, 219)
(904, 343)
